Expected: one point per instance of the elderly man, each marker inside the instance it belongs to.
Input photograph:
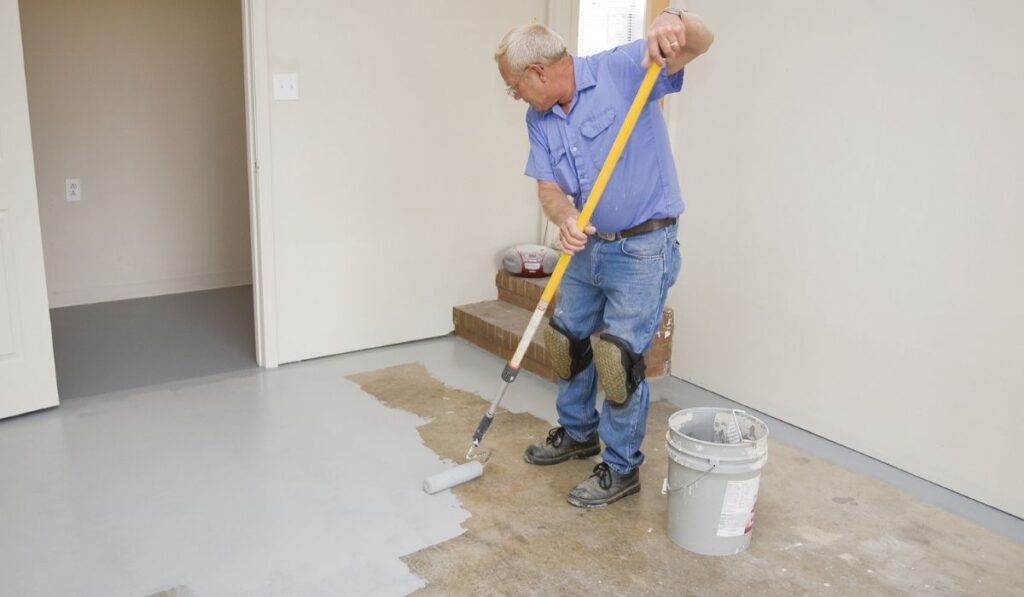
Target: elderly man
(625, 261)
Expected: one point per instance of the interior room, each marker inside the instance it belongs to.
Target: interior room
(138, 135)
(268, 269)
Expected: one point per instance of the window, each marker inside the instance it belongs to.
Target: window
(605, 24)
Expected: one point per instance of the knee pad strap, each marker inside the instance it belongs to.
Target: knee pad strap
(566, 355)
(619, 369)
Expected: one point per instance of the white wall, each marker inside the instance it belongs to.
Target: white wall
(853, 261)
(142, 100)
(397, 175)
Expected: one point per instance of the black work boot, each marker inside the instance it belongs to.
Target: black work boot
(604, 487)
(559, 447)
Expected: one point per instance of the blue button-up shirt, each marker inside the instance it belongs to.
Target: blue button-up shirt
(570, 149)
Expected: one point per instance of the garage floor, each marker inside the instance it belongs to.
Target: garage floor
(305, 480)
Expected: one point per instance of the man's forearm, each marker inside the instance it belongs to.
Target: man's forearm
(555, 204)
(698, 36)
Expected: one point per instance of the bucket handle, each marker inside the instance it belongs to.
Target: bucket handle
(665, 489)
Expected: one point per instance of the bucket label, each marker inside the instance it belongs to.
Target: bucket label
(737, 516)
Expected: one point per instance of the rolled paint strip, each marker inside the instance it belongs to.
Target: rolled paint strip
(452, 477)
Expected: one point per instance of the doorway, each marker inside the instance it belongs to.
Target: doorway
(138, 114)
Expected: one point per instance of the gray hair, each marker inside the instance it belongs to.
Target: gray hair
(529, 44)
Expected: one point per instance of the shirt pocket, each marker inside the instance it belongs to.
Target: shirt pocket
(565, 172)
(597, 131)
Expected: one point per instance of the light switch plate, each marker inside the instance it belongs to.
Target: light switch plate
(286, 86)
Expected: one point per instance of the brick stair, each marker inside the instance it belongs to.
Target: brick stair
(497, 326)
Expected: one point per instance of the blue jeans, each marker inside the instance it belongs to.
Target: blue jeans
(618, 288)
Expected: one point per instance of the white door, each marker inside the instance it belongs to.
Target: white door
(28, 380)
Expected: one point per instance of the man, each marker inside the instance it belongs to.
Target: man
(625, 261)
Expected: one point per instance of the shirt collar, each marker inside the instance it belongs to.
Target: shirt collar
(584, 80)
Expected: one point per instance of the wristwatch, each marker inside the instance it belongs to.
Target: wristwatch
(674, 11)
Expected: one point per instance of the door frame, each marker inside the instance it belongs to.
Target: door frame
(261, 221)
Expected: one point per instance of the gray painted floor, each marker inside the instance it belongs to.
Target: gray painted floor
(265, 482)
(106, 347)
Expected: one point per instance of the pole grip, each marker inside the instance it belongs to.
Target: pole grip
(481, 429)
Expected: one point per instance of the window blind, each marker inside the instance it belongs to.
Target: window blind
(605, 24)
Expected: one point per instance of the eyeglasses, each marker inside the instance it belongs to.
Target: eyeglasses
(513, 89)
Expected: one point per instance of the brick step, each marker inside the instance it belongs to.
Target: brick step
(497, 326)
(522, 292)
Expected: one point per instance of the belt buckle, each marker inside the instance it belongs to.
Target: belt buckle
(608, 236)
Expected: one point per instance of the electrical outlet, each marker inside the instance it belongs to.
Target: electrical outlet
(286, 86)
(73, 189)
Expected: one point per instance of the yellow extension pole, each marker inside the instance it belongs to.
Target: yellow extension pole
(603, 176)
(512, 368)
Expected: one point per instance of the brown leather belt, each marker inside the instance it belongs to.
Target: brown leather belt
(642, 228)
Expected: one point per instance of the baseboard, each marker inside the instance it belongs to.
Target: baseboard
(87, 296)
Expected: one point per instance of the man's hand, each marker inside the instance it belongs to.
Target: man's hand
(666, 37)
(674, 42)
(560, 211)
(570, 236)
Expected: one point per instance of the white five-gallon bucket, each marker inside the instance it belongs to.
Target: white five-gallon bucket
(712, 485)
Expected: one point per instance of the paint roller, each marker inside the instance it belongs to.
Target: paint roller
(452, 477)
(477, 458)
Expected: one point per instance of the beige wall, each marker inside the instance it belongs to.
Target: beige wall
(853, 261)
(398, 174)
(143, 101)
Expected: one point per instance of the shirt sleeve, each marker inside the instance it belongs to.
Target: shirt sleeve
(625, 61)
(538, 165)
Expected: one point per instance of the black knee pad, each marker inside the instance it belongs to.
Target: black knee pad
(567, 355)
(619, 369)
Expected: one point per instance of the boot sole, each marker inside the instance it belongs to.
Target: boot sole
(585, 453)
(605, 502)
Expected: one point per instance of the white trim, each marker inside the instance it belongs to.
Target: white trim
(120, 292)
(257, 108)
(563, 18)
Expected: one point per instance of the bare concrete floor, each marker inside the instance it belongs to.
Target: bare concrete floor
(821, 529)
